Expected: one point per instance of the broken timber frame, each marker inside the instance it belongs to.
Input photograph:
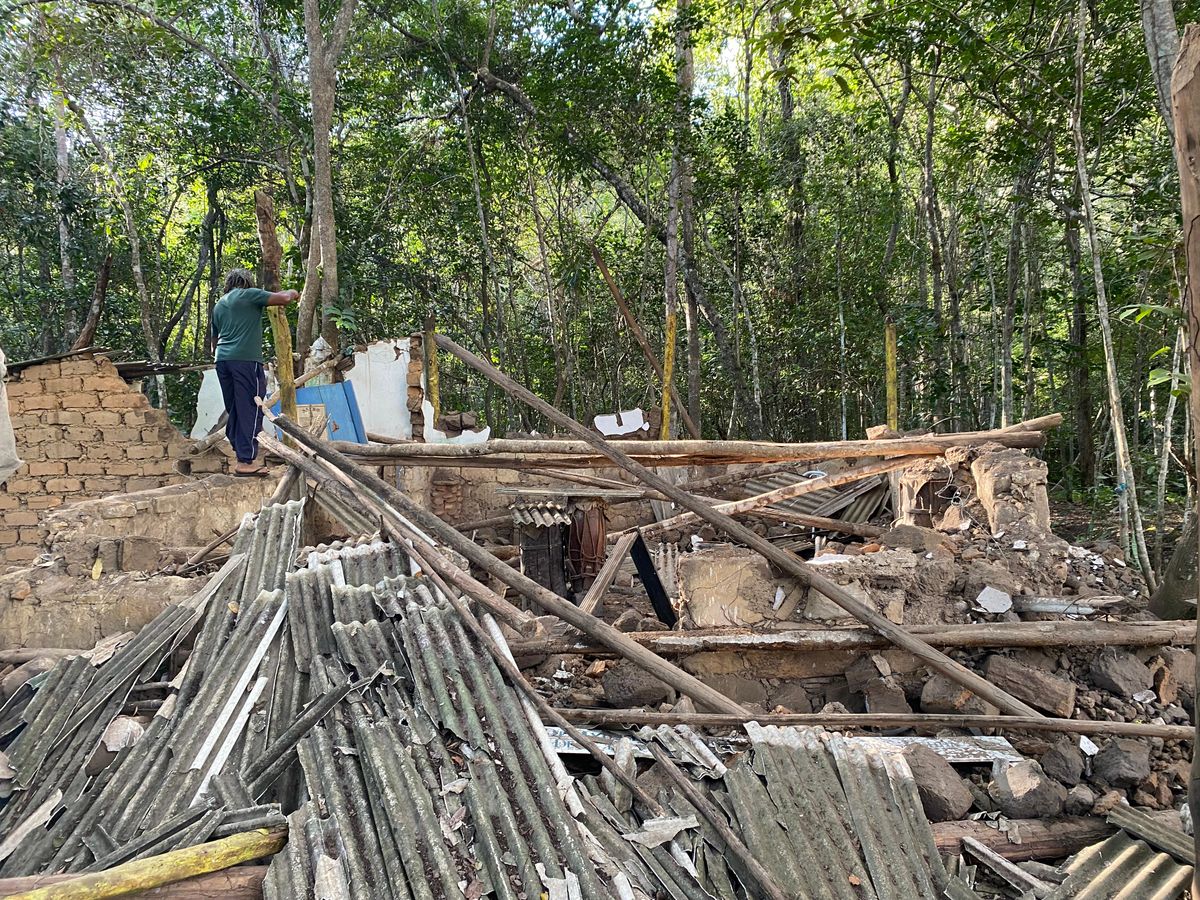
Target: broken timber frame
(608, 572)
(547, 600)
(787, 562)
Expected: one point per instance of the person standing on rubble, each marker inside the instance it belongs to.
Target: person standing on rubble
(237, 326)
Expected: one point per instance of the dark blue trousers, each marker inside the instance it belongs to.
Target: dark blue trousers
(242, 381)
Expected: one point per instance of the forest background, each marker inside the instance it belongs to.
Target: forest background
(770, 185)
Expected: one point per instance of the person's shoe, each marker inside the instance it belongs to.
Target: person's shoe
(249, 470)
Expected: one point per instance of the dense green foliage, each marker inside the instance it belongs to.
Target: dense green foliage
(911, 160)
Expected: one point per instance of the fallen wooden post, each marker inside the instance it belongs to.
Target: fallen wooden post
(1035, 838)
(998, 635)
(21, 655)
(778, 495)
(608, 572)
(1006, 870)
(746, 862)
(787, 562)
(618, 717)
(549, 601)
(544, 453)
(156, 871)
(241, 883)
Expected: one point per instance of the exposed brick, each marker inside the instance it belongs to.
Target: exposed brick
(118, 511)
(102, 485)
(24, 486)
(129, 400)
(159, 467)
(45, 501)
(18, 389)
(122, 469)
(31, 535)
(81, 434)
(20, 423)
(61, 450)
(62, 385)
(122, 435)
(38, 401)
(146, 451)
(8, 501)
(19, 517)
(102, 417)
(63, 485)
(78, 400)
(33, 436)
(106, 451)
(142, 484)
(41, 469)
(9, 536)
(44, 370)
(105, 384)
(136, 418)
(83, 467)
(19, 554)
(64, 417)
(158, 434)
(78, 367)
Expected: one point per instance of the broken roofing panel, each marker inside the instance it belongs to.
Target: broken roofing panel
(1123, 867)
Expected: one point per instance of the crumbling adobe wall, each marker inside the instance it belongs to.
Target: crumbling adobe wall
(82, 433)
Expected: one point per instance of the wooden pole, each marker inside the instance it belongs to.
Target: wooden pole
(1038, 838)
(242, 883)
(1185, 102)
(997, 635)
(608, 718)
(892, 378)
(787, 562)
(608, 572)
(155, 871)
(635, 329)
(546, 599)
(268, 239)
(433, 389)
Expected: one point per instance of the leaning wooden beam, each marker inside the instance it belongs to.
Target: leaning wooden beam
(242, 883)
(787, 562)
(998, 635)
(778, 495)
(639, 335)
(683, 452)
(608, 572)
(543, 598)
(617, 717)
(155, 871)
(838, 526)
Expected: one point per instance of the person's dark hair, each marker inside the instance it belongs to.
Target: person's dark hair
(238, 278)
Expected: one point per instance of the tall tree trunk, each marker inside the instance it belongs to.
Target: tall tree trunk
(1012, 274)
(1080, 370)
(323, 54)
(1126, 482)
(684, 82)
(1162, 46)
(62, 174)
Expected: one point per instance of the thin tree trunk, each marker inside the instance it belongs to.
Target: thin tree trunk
(1126, 482)
(1162, 46)
(1164, 456)
(1080, 377)
(1012, 271)
(62, 174)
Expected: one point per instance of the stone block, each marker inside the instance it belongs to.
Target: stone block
(941, 695)
(1120, 673)
(1023, 791)
(627, 685)
(886, 695)
(1036, 687)
(944, 795)
(1122, 763)
(140, 554)
(1064, 762)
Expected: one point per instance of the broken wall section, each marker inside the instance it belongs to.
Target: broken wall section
(83, 432)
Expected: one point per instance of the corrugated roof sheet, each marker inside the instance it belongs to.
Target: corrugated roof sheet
(856, 502)
(1122, 866)
(540, 514)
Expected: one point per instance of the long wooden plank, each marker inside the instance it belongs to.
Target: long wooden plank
(608, 572)
(1039, 838)
(1055, 634)
(619, 717)
(549, 601)
(787, 562)
(242, 883)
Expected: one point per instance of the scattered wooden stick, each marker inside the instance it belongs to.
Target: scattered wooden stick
(787, 562)
(616, 717)
(547, 600)
(608, 572)
(155, 871)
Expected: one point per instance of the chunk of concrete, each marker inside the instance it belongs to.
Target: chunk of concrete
(1036, 687)
(1120, 673)
(1023, 791)
(1064, 762)
(1122, 763)
(941, 695)
(913, 537)
(944, 795)
(627, 685)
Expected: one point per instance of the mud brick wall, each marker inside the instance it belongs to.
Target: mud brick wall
(82, 433)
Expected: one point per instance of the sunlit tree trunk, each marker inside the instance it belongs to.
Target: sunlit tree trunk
(1133, 536)
(1162, 46)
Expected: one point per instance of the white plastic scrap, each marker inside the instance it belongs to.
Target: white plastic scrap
(1145, 696)
(994, 600)
(1088, 746)
(656, 832)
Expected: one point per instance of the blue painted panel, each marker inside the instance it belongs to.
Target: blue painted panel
(339, 403)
